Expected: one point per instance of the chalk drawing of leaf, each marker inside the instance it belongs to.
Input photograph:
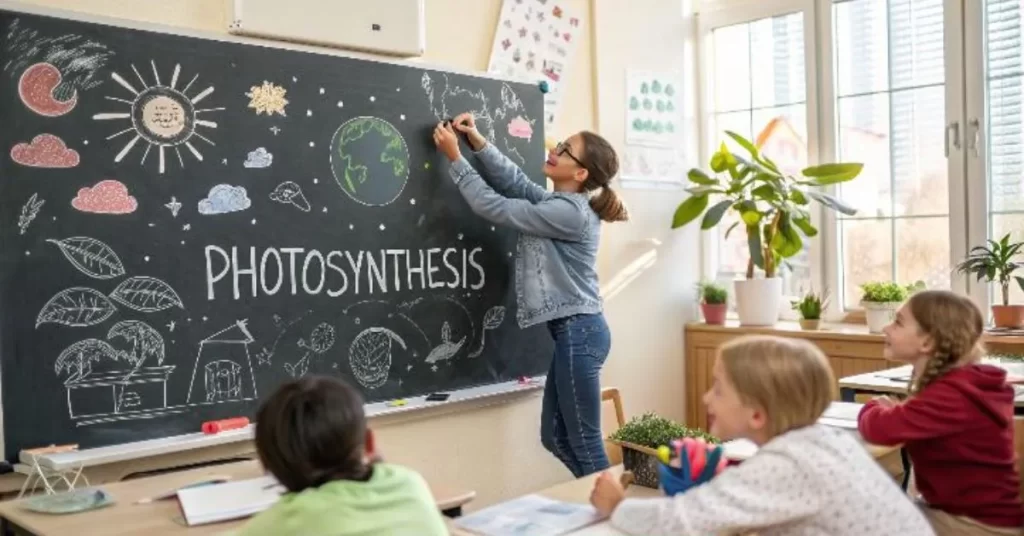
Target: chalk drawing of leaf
(92, 257)
(78, 358)
(146, 294)
(76, 307)
(495, 315)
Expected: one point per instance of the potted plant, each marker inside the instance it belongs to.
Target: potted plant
(995, 263)
(881, 299)
(810, 306)
(773, 208)
(713, 302)
(640, 439)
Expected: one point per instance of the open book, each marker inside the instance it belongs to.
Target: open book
(231, 500)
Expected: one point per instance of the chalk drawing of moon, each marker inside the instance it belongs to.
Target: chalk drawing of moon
(36, 88)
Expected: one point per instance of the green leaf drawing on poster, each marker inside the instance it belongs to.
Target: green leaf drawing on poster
(648, 104)
(660, 106)
(656, 87)
(669, 90)
(644, 89)
(634, 103)
(638, 124)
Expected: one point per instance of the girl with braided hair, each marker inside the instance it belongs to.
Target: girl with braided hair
(957, 424)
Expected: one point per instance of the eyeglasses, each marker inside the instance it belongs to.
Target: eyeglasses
(564, 148)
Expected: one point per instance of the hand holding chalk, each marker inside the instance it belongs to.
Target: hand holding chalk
(214, 427)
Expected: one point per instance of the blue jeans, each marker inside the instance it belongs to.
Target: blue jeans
(571, 415)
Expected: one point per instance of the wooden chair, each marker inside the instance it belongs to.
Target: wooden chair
(1018, 444)
(613, 451)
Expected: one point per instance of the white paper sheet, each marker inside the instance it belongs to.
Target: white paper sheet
(531, 515)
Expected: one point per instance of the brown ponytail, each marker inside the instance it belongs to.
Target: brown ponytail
(955, 326)
(602, 165)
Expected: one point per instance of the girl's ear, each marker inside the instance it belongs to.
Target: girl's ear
(927, 345)
(581, 175)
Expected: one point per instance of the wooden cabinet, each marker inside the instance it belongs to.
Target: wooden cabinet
(850, 350)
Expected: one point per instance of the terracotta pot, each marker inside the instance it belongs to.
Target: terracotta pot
(810, 324)
(1008, 316)
(714, 313)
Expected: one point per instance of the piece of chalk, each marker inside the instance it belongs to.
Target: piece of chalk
(213, 427)
(395, 403)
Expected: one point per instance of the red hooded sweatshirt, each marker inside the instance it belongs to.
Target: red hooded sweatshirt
(958, 432)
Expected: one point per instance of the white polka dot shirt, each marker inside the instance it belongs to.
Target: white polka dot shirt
(813, 481)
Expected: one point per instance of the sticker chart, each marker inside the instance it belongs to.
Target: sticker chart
(191, 222)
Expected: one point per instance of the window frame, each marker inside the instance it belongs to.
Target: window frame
(735, 12)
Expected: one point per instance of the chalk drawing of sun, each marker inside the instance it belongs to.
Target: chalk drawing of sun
(161, 115)
(267, 98)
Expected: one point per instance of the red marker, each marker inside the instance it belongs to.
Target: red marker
(213, 427)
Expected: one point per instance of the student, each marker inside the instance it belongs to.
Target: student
(957, 425)
(311, 435)
(556, 272)
(806, 478)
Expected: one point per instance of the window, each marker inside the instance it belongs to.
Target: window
(890, 101)
(758, 79)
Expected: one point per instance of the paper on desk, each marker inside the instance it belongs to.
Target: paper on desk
(529, 515)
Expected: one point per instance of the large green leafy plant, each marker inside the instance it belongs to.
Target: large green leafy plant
(773, 207)
(994, 262)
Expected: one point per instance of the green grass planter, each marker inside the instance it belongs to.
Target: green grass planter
(640, 439)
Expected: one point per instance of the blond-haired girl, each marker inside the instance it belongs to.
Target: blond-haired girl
(957, 424)
(806, 479)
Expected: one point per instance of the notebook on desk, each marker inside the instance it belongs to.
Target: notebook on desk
(232, 500)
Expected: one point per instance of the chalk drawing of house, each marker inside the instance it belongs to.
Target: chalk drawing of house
(223, 368)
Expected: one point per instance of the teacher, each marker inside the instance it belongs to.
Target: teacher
(556, 273)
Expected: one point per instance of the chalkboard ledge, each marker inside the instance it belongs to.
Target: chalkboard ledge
(389, 412)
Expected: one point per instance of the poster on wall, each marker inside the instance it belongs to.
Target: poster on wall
(535, 42)
(653, 108)
(652, 168)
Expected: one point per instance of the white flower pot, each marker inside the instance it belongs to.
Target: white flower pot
(879, 314)
(758, 301)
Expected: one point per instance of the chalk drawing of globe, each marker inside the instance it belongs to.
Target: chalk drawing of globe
(370, 160)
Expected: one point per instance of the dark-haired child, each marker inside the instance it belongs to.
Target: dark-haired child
(311, 435)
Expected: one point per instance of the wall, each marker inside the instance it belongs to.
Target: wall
(647, 271)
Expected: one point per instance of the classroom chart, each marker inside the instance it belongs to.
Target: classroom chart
(189, 222)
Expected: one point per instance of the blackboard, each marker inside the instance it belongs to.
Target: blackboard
(188, 222)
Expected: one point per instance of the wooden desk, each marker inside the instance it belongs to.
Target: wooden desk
(578, 491)
(158, 518)
(893, 381)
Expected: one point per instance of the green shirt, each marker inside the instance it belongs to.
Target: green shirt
(395, 501)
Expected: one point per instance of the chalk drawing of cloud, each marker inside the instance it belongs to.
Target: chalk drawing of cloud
(259, 158)
(45, 151)
(106, 197)
(520, 128)
(225, 198)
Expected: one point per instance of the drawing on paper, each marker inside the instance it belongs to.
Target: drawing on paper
(266, 355)
(224, 198)
(106, 197)
(369, 356)
(224, 367)
(160, 115)
(117, 394)
(320, 341)
(174, 206)
(447, 349)
(37, 86)
(370, 161)
(79, 59)
(90, 256)
(76, 307)
(260, 158)
(146, 294)
(290, 193)
(29, 211)
(267, 98)
(45, 151)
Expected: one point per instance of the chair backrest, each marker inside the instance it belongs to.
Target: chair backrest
(1018, 445)
(613, 451)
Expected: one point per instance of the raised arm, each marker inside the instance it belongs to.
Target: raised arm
(769, 489)
(552, 216)
(502, 173)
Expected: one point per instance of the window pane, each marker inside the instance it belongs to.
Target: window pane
(867, 255)
(919, 165)
(782, 135)
(738, 122)
(777, 61)
(864, 137)
(732, 68)
(861, 46)
(732, 252)
(916, 42)
(922, 251)
(1006, 142)
(1002, 224)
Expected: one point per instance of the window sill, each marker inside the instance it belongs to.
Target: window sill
(827, 330)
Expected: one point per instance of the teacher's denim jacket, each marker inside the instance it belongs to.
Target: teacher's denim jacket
(556, 255)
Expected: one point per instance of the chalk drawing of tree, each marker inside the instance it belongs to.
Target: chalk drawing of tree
(76, 360)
